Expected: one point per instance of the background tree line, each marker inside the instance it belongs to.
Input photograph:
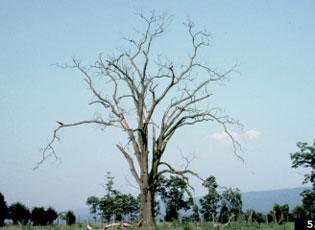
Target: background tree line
(18, 213)
(219, 204)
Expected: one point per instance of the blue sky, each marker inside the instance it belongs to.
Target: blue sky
(272, 93)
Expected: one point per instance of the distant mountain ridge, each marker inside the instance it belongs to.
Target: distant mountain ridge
(261, 201)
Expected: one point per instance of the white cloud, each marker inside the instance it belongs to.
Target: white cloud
(252, 134)
(225, 138)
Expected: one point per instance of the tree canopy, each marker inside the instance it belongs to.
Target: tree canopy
(172, 191)
(3, 210)
(305, 158)
(69, 217)
(114, 205)
(19, 213)
(210, 202)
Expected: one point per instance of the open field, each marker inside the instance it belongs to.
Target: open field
(241, 226)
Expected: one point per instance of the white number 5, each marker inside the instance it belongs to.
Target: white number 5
(309, 224)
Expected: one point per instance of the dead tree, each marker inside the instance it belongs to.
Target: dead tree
(151, 99)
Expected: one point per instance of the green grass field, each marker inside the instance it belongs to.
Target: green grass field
(242, 226)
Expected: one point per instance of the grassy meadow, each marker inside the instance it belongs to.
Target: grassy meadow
(241, 226)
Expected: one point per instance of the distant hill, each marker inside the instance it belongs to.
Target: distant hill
(261, 201)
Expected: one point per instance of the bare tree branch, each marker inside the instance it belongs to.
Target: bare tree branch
(49, 149)
(181, 173)
(131, 164)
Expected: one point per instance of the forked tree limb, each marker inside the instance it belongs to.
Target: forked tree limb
(130, 163)
(49, 149)
(181, 173)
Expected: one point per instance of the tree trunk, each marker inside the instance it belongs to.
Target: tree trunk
(146, 206)
(146, 190)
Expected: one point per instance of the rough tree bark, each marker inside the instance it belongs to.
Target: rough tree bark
(144, 83)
